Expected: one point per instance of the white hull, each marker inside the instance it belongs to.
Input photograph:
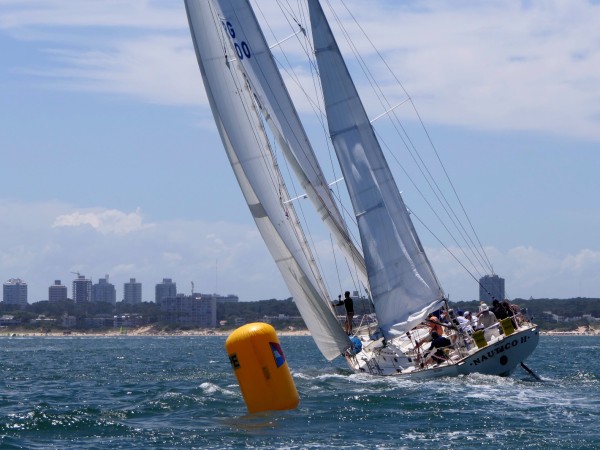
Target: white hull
(500, 356)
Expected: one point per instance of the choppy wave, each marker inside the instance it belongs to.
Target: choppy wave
(140, 393)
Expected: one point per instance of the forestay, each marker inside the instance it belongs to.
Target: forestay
(248, 149)
(280, 114)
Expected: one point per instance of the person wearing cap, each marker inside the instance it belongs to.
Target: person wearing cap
(433, 324)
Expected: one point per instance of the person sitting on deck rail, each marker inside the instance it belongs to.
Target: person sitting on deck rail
(439, 343)
(433, 324)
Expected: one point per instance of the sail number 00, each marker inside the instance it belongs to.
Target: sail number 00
(242, 48)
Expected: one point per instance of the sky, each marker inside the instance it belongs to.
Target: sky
(111, 163)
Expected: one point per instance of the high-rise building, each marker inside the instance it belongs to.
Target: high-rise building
(57, 292)
(132, 292)
(104, 291)
(165, 289)
(82, 289)
(14, 292)
(491, 287)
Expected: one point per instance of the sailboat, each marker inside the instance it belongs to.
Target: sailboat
(254, 112)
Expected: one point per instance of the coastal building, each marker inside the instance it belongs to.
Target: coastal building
(132, 292)
(491, 287)
(68, 321)
(57, 292)
(82, 289)
(14, 292)
(104, 292)
(190, 310)
(128, 321)
(165, 289)
(229, 298)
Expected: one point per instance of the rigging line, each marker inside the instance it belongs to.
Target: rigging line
(294, 77)
(316, 106)
(305, 44)
(377, 89)
(429, 139)
(307, 234)
(436, 194)
(427, 176)
(337, 270)
(317, 174)
(236, 80)
(447, 249)
(361, 61)
(285, 55)
(275, 174)
(453, 188)
(341, 223)
(235, 76)
(439, 194)
(430, 207)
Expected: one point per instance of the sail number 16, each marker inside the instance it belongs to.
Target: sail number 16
(242, 48)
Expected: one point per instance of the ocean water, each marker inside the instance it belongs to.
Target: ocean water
(180, 392)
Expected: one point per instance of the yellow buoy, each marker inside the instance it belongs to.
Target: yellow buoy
(261, 369)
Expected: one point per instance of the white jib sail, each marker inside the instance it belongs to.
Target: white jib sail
(403, 284)
(268, 86)
(247, 147)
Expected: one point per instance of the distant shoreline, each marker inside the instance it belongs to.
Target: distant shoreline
(140, 331)
(151, 331)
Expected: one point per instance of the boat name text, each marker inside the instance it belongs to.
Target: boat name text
(498, 350)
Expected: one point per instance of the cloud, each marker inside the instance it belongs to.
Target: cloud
(103, 221)
(528, 271)
(42, 242)
(231, 258)
(585, 262)
(493, 65)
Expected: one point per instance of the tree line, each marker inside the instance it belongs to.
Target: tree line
(257, 310)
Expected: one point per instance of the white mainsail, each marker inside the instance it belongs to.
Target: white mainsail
(403, 285)
(281, 116)
(251, 158)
